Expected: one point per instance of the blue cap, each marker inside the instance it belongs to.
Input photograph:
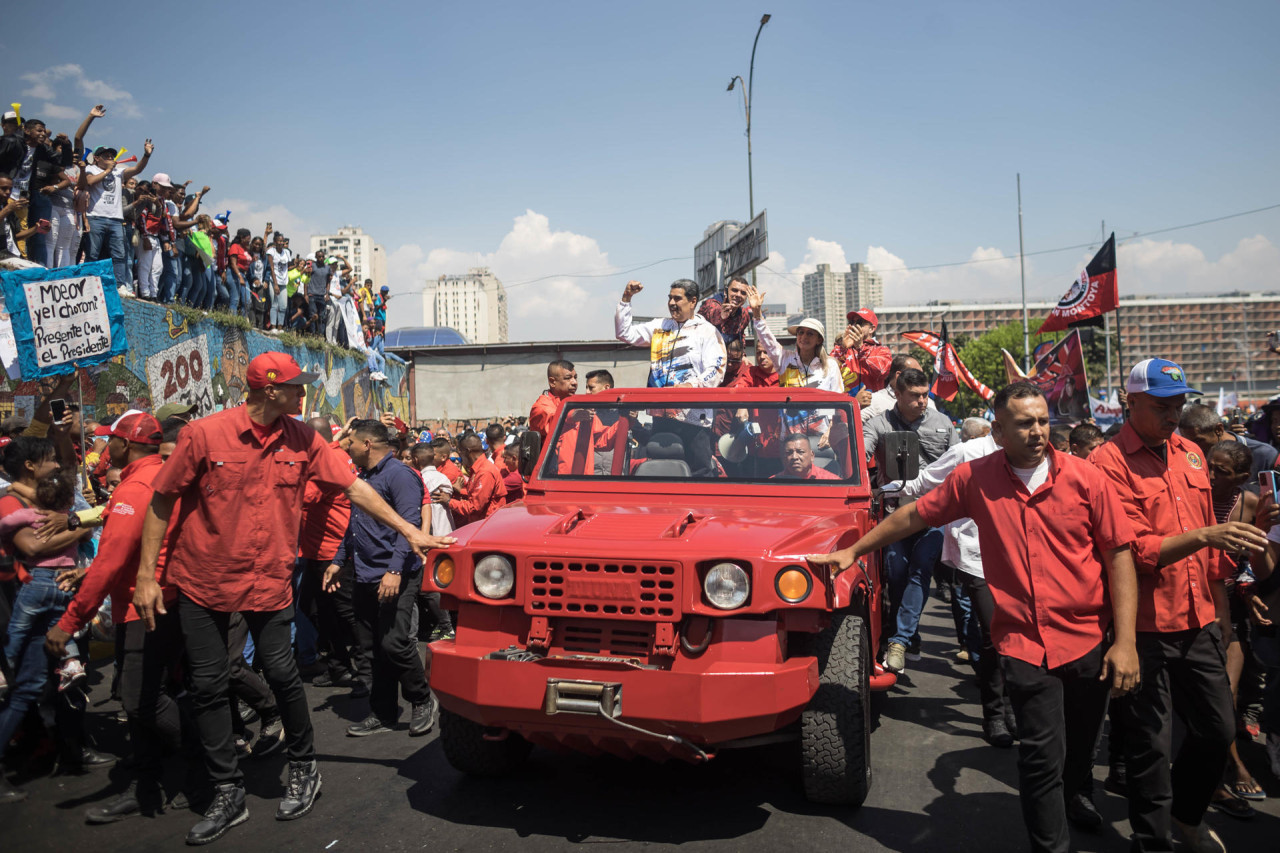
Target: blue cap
(1159, 378)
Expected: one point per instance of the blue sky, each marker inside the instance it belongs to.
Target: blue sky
(562, 138)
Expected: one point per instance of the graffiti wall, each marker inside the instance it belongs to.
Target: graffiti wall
(172, 359)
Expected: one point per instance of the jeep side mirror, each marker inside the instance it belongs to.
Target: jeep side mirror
(530, 448)
(901, 456)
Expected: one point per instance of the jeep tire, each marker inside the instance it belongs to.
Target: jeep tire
(468, 751)
(835, 729)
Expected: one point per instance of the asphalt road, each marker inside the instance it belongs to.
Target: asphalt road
(937, 786)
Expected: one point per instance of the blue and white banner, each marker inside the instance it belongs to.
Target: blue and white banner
(64, 318)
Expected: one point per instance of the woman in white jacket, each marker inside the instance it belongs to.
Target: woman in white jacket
(807, 365)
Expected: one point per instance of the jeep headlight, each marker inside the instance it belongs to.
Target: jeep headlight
(727, 586)
(494, 576)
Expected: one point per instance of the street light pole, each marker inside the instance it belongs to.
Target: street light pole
(747, 91)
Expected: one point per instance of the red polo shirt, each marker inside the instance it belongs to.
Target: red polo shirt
(1165, 499)
(1041, 553)
(815, 473)
(237, 540)
(114, 571)
(325, 515)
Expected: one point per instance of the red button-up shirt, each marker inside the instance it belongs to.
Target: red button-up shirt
(1041, 553)
(1165, 499)
(236, 542)
(114, 571)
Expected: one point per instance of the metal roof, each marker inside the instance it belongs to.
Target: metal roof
(424, 336)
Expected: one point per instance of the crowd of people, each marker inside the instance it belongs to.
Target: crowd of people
(63, 202)
(1123, 575)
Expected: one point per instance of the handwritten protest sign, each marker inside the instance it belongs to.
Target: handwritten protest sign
(64, 318)
(180, 374)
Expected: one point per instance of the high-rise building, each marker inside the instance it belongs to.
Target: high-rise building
(829, 295)
(367, 259)
(474, 304)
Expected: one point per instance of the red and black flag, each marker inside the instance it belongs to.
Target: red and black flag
(948, 369)
(1092, 294)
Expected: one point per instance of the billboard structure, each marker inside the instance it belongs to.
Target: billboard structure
(727, 249)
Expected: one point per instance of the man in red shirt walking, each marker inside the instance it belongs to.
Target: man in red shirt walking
(1055, 552)
(240, 475)
(146, 656)
(1182, 606)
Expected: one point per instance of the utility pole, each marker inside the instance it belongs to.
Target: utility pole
(747, 92)
(1022, 268)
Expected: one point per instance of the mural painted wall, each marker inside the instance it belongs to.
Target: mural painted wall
(172, 359)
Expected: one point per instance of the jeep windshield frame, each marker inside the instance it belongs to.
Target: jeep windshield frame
(640, 438)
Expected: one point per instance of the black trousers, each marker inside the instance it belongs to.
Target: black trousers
(991, 689)
(245, 683)
(1059, 713)
(385, 628)
(147, 659)
(205, 633)
(1183, 672)
(431, 614)
(333, 615)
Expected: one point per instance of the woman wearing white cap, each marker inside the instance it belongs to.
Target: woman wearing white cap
(805, 366)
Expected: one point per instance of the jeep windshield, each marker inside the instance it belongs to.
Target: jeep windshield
(748, 442)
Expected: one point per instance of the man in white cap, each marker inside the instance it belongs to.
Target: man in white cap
(1163, 483)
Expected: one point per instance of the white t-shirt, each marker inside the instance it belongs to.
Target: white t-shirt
(432, 479)
(106, 198)
(1034, 478)
(280, 260)
(335, 284)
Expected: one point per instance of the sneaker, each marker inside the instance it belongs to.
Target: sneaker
(438, 633)
(301, 792)
(247, 714)
(997, 733)
(332, 678)
(228, 809)
(1200, 838)
(271, 740)
(123, 805)
(423, 719)
(1117, 781)
(10, 793)
(913, 650)
(963, 656)
(370, 725)
(70, 672)
(359, 690)
(895, 658)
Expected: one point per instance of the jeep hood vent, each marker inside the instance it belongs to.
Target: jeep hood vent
(625, 525)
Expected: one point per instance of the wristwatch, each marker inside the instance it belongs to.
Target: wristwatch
(73, 521)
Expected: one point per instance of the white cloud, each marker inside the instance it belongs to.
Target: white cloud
(45, 86)
(780, 284)
(994, 277)
(531, 259)
(55, 112)
(1165, 267)
(251, 215)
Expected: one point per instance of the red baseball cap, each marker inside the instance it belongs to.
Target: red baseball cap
(140, 428)
(277, 368)
(864, 314)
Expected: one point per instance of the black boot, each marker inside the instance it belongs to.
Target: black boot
(228, 809)
(301, 792)
(125, 804)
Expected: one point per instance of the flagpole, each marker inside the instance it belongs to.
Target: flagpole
(1106, 324)
(1022, 269)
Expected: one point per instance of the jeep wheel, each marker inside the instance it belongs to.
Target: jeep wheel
(468, 751)
(835, 730)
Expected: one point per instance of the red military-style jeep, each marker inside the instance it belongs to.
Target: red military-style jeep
(650, 595)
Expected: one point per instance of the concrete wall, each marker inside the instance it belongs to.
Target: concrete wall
(479, 382)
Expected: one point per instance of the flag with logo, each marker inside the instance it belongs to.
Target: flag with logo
(1092, 294)
(948, 370)
(1060, 374)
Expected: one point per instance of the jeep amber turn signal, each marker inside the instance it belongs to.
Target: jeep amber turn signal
(727, 586)
(444, 571)
(494, 576)
(793, 584)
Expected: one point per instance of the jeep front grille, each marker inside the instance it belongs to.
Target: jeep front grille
(632, 591)
(617, 639)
